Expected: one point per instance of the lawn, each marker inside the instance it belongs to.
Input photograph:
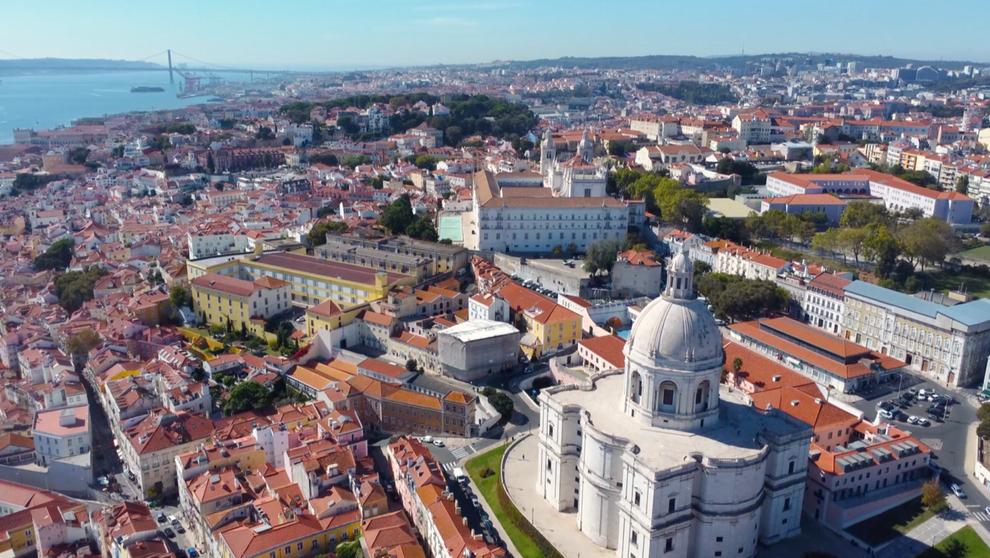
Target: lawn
(977, 285)
(964, 543)
(981, 253)
(891, 523)
(489, 463)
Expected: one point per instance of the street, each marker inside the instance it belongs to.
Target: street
(947, 439)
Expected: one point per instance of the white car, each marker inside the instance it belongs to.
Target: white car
(426, 439)
(958, 491)
(912, 419)
(886, 414)
(438, 443)
(922, 421)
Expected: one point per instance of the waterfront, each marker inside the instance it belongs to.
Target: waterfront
(50, 100)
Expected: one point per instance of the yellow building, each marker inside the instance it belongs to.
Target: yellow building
(222, 300)
(303, 537)
(329, 316)
(549, 326)
(313, 280)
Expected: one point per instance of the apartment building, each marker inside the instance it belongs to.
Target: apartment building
(824, 302)
(949, 344)
(241, 304)
(312, 280)
(150, 446)
(897, 195)
(421, 485)
(422, 258)
(62, 433)
(549, 326)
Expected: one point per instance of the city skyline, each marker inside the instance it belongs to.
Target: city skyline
(350, 35)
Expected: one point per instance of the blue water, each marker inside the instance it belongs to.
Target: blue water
(50, 100)
(624, 332)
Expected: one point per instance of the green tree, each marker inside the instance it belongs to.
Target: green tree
(264, 133)
(318, 234)
(78, 155)
(927, 241)
(352, 161)
(679, 205)
(739, 298)
(57, 256)
(398, 215)
(503, 405)
(423, 229)
(349, 549)
(862, 213)
(80, 343)
(983, 429)
(74, 288)
(737, 364)
(424, 161)
(882, 249)
(180, 296)
(983, 413)
(600, 256)
(246, 395)
(853, 240)
(962, 184)
(932, 496)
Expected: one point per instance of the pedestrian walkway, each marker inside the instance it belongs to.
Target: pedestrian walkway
(462, 452)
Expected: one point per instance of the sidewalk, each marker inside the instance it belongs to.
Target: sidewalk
(969, 466)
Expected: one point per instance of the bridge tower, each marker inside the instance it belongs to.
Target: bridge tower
(171, 78)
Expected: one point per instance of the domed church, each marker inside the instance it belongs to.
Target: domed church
(655, 460)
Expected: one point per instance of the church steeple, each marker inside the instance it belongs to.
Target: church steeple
(548, 152)
(585, 149)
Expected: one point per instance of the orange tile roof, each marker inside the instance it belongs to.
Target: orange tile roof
(608, 347)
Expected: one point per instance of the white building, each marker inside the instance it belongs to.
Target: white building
(61, 433)
(949, 344)
(897, 195)
(753, 127)
(531, 220)
(216, 244)
(824, 302)
(575, 178)
(654, 462)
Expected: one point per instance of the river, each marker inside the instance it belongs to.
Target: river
(49, 100)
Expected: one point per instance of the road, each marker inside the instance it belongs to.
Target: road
(947, 439)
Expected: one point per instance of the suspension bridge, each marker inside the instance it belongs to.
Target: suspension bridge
(194, 72)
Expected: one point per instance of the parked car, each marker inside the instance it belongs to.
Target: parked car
(957, 490)
(886, 414)
(438, 443)
(162, 518)
(912, 419)
(922, 421)
(192, 552)
(169, 532)
(180, 529)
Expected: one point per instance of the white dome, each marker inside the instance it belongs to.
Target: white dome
(674, 331)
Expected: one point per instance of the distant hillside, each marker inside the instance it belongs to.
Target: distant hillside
(684, 62)
(34, 65)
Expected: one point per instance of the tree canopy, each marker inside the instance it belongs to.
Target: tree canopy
(73, 288)
(318, 234)
(398, 215)
(600, 256)
(693, 91)
(246, 395)
(57, 256)
(739, 298)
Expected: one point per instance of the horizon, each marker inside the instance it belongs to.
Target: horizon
(396, 34)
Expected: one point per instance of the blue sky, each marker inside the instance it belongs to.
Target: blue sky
(375, 33)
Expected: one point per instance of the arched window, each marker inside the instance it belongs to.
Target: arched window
(667, 397)
(701, 397)
(636, 387)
